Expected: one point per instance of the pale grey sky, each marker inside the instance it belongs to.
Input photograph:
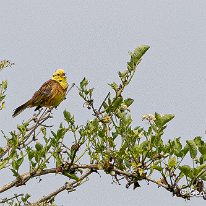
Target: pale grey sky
(91, 38)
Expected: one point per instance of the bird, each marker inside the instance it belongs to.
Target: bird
(50, 94)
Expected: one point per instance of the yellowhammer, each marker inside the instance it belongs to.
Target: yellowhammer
(50, 94)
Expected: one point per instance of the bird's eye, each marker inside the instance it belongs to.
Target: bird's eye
(60, 80)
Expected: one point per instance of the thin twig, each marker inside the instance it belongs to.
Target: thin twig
(103, 102)
(73, 84)
(11, 198)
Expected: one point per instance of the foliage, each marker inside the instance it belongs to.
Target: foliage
(110, 142)
(3, 84)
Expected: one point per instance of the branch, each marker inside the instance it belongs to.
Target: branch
(127, 174)
(131, 177)
(67, 186)
(22, 179)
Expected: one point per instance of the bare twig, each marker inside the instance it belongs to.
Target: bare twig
(73, 84)
(103, 102)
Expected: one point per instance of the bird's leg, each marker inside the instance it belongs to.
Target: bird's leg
(38, 108)
(39, 111)
(50, 109)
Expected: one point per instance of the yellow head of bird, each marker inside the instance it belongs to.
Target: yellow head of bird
(60, 76)
(59, 73)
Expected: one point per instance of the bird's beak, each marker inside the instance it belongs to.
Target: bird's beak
(63, 75)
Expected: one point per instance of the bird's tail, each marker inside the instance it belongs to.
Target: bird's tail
(21, 108)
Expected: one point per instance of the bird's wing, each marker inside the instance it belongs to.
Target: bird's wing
(45, 93)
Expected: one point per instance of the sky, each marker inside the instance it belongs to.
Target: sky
(92, 39)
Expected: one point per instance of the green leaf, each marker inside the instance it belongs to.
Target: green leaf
(178, 147)
(22, 128)
(57, 158)
(38, 146)
(114, 135)
(127, 164)
(140, 51)
(31, 154)
(60, 134)
(203, 178)
(83, 83)
(72, 176)
(199, 169)
(156, 167)
(15, 173)
(198, 141)
(90, 91)
(33, 164)
(185, 150)
(172, 162)
(14, 165)
(19, 162)
(3, 164)
(114, 86)
(161, 120)
(116, 103)
(4, 85)
(192, 148)
(201, 145)
(25, 198)
(128, 101)
(136, 57)
(67, 116)
(186, 169)
(54, 134)
(144, 146)
(202, 149)
(2, 105)
(123, 74)
(2, 97)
